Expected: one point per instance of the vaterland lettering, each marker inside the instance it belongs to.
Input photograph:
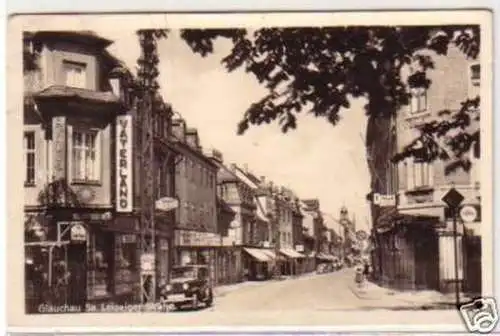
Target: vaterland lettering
(123, 164)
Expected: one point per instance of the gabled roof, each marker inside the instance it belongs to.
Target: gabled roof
(224, 174)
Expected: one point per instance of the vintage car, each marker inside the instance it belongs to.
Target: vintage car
(189, 285)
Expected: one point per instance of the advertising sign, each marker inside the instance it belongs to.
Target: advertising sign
(468, 213)
(78, 233)
(124, 163)
(147, 262)
(59, 147)
(196, 238)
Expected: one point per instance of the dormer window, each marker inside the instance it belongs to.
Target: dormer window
(75, 74)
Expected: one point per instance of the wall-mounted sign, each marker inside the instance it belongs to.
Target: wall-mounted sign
(147, 263)
(166, 204)
(468, 213)
(78, 233)
(196, 238)
(384, 200)
(124, 163)
(59, 147)
(299, 248)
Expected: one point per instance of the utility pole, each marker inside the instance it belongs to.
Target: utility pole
(147, 89)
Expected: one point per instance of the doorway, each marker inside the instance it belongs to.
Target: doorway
(426, 258)
(77, 272)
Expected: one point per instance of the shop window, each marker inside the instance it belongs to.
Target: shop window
(75, 74)
(125, 263)
(100, 264)
(29, 158)
(86, 163)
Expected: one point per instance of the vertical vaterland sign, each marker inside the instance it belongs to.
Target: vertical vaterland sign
(124, 163)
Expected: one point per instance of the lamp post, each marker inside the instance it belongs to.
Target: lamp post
(453, 199)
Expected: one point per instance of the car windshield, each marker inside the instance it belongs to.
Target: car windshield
(183, 272)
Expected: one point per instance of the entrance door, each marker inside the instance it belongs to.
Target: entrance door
(77, 268)
(426, 259)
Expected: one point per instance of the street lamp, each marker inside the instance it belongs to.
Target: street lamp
(453, 199)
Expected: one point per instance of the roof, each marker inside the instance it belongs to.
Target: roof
(66, 92)
(224, 174)
(80, 36)
(184, 148)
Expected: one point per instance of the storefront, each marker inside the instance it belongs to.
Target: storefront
(291, 262)
(258, 263)
(196, 247)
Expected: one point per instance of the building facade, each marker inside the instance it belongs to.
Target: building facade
(415, 236)
(79, 249)
(230, 225)
(195, 237)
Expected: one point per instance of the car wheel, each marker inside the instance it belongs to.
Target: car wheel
(196, 301)
(210, 299)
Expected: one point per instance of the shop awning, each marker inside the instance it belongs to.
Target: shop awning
(270, 253)
(258, 254)
(291, 253)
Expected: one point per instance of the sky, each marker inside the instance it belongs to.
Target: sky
(316, 160)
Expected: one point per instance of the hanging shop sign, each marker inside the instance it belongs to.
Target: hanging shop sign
(78, 233)
(59, 147)
(196, 238)
(124, 163)
(166, 204)
(299, 248)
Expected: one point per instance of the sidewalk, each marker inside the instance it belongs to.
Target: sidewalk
(423, 299)
(225, 289)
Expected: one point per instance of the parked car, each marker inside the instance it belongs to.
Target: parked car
(189, 285)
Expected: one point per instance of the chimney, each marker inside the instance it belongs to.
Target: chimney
(233, 167)
(245, 168)
(179, 129)
(192, 138)
(216, 155)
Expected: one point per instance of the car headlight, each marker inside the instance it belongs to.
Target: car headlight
(185, 286)
(168, 287)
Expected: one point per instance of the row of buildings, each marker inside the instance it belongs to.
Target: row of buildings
(83, 189)
(412, 225)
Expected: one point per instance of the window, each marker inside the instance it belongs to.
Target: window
(75, 74)
(418, 100)
(29, 156)
(475, 74)
(86, 156)
(419, 175)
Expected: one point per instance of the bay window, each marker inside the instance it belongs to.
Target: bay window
(85, 156)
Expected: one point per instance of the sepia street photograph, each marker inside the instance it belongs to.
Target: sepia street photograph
(193, 168)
